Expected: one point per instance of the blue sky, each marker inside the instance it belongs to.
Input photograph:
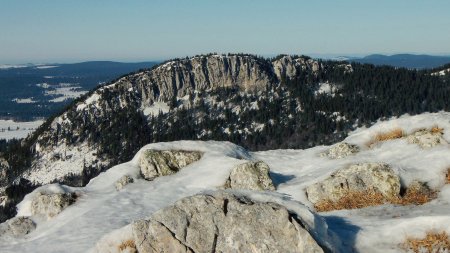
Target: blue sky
(138, 30)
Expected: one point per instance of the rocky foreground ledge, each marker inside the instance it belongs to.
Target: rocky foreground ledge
(384, 189)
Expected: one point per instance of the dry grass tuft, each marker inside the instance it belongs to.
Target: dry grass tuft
(448, 176)
(127, 245)
(356, 200)
(437, 130)
(415, 197)
(352, 200)
(433, 242)
(395, 133)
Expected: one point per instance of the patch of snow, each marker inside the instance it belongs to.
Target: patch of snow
(441, 73)
(63, 160)
(156, 108)
(24, 100)
(46, 67)
(7, 66)
(327, 89)
(65, 91)
(10, 129)
(43, 85)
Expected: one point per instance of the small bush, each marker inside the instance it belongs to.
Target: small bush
(127, 246)
(432, 243)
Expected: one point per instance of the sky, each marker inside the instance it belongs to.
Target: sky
(61, 31)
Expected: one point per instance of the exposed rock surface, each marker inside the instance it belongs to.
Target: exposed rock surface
(156, 163)
(123, 181)
(341, 150)
(222, 223)
(18, 226)
(426, 138)
(250, 176)
(4, 168)
(289, 66)
(51, 205)
(362, 177)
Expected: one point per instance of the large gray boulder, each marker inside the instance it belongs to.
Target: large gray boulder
(427, 138)
(222, 223)
(17, 227)
(156, 163)
(363, 177)
(341, 150)
(50, 205)
(250, 176)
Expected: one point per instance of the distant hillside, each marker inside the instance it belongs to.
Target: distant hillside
(30, 91)
(410, 61)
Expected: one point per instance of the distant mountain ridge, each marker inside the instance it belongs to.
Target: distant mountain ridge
(410, 61)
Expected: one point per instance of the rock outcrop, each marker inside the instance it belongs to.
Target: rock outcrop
(222, 223)
(4, 168)
(341, 150)
(156, 163)
(364, 177)
(250, 176)
(123, 181)
(289, 66)
(18, 226)
(50, 205)
(427, 138)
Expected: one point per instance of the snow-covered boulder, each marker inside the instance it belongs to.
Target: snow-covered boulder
(50, 205)
(18, 226)
(123, 181)
(156, 163)
(426, 138)
(363, 177)
(222, 223)
(341, 150)
(250, 176)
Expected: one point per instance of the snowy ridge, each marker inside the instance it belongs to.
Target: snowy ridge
(103, 214)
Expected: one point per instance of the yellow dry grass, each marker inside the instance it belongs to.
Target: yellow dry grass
(355, 200)
(437, 130)
(128, 244)
(395, 133)
(415, 197)
(433, 242)
(352, 200)
(448, 176)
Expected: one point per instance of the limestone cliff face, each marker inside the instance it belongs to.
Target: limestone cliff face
(64, 148)
(289, 66)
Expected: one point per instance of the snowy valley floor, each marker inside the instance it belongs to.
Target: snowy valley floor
(103, 212)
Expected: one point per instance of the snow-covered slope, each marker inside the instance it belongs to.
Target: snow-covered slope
(103, 212)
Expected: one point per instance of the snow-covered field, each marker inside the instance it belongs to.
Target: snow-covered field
(65, 92)
(101, 210)
(10, 129)
(56, 93)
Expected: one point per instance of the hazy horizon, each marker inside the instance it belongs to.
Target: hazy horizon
(51, 31)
